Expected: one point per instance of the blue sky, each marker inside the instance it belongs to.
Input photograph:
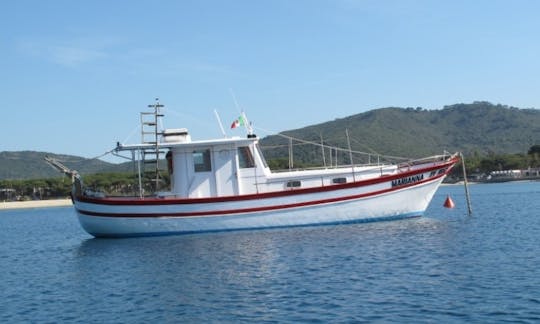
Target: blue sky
(75, 74)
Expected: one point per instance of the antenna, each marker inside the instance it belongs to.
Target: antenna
(350, 152)
(220, 124)
(234, 98)
(247, 123)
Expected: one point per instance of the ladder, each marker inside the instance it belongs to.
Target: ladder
(150, 134)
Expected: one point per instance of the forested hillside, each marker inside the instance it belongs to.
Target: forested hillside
(479, 128)
(31, 165)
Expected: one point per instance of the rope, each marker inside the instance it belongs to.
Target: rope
(102, 155)
(92, 158)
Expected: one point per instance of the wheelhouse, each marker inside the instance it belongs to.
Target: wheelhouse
(216, 168)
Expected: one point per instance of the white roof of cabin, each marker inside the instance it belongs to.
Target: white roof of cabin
(237, 141)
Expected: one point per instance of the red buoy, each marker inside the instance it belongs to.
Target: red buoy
(449, 203)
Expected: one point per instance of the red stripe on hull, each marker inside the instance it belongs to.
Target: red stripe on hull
(264, 208)
(117, 201)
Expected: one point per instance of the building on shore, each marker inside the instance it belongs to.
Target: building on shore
(7, 194)
(513, 175)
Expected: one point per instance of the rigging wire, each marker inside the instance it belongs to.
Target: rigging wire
(300, 142)
(306, 142)
(102, 155)
(91, 158)
(131, 134)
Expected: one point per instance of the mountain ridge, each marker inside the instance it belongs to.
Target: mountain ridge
(479, 128)
(31, 165)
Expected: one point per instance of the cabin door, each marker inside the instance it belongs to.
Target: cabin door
(225, 172)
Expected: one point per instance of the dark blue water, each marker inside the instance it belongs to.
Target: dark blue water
(445, 267)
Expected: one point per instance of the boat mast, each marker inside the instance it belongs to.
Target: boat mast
(150, 135)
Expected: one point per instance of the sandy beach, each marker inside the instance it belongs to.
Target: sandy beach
(35, 204)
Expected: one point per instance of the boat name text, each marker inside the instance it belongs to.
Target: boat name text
(407, 180)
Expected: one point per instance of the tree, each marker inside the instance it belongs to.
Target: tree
(535, 149)
(534, 156)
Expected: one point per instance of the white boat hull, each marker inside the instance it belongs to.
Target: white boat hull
(225, 184)
(375, 201)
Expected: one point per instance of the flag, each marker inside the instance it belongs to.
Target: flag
(238, 122)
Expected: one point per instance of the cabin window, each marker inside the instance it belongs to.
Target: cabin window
(294, 184)
(169, 158)
(339, 180)
(201, 161)
(261, 155)
(245, 158)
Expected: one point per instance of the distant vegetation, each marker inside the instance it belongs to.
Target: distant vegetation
(475, 163)
(110, 183)
(31, 165)
(479, 128)
(60, 186)
(498, 162)
(492, 137)
(34, 189)
(126, 183)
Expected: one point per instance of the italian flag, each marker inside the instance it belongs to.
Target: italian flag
(238, 122)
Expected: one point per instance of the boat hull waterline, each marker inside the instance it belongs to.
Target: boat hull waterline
(398, 196)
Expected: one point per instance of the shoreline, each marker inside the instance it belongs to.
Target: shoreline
(7, 205)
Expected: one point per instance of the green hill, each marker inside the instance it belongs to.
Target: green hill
(481, 128)
(31, 165)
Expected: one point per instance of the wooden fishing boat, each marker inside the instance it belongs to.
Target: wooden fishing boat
(225, 184)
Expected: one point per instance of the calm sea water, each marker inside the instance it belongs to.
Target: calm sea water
(445, 267)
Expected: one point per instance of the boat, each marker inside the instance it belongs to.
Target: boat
(225, 184)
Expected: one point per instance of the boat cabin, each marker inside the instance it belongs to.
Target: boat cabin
(213, 168)
(236, 166)
(227, 166)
